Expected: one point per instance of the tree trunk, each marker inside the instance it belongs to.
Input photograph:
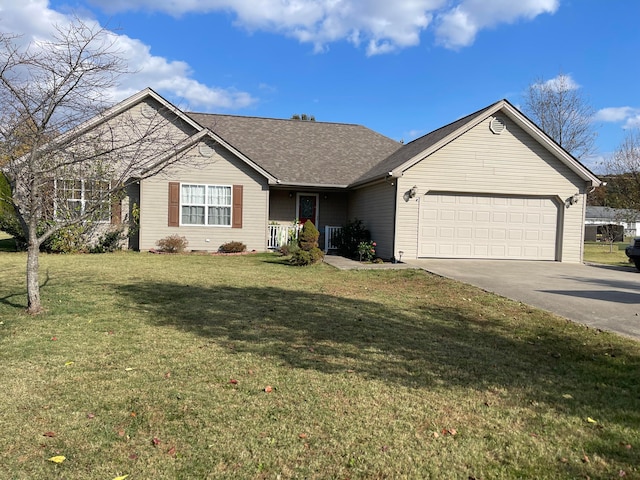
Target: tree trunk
(33, 282)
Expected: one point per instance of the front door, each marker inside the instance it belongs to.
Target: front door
(308, 208)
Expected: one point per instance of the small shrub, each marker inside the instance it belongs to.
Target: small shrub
(289, 248)
(69, 239)
(350, 236)
(232, 247)
(367, 251)
(306, 257)
(308, 238)
(308, 252)
(109, 241)
(173, 244)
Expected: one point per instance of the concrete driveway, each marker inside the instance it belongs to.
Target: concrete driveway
(599, 296)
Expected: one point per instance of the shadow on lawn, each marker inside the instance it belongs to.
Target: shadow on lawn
(422, 347)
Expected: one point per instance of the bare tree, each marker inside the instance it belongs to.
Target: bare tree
(67, 154)
(562, 113)
(623, 173)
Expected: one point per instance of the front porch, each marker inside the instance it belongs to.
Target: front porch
(289, 209)
(279, 235)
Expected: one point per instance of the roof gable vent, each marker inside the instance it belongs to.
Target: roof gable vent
(497, 125)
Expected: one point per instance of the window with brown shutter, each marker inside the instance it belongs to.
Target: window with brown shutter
(174, 204)
(237, 207)
(116, 212)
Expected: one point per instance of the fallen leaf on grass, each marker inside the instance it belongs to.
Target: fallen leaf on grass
(268, 389)
(54, 338)
(449, 431)
(91, 416)
(121, 433)
(233, 381)
(58, 459)
(128, 369)
(70, 362)
(591, 420)
(567, 396)
(167, 375)
(302, 435)
(121, 477)
(171, 451)
(155, 441)
(622, 473)
(585, 459)
(49, 434)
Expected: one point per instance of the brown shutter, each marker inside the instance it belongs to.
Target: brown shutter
(174, 204)
(116, 212)
(236, 211)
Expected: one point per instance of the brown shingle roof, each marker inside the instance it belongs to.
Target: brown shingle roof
(302, 152)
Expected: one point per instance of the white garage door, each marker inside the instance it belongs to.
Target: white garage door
(483, 226)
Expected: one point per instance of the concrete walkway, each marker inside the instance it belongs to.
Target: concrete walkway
(599, 296)
(343, 263)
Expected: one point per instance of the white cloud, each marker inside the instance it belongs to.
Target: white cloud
(381, 25)
(34, 20)
(562, 82)
(628, 116)
(459, 26)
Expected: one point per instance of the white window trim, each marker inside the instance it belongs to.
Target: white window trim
(82, 200)
(206, 205)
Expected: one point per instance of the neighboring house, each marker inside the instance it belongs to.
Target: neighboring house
(489, 185)
(599, 220)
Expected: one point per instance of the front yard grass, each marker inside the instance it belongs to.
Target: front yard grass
(160, 366)
(600, 252)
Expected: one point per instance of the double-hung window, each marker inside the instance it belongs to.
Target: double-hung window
(74, 198)
(205, 205)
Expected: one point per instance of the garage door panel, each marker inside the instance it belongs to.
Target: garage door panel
(485, 226)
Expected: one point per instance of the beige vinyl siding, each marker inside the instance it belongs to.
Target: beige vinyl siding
(222, 168)
(512, 163)
(282, 207)
(374, 205)
(333, 209)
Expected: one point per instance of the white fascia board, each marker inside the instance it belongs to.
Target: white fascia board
(198, 137)
(559, 152)
(122, 107)
(311, 185)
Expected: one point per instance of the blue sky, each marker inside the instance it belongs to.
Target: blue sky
(402, 68)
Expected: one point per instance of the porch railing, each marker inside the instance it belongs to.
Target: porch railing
(279, 235)
(331, 237)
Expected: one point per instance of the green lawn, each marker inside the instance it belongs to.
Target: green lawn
(156, 366)
(598, 252)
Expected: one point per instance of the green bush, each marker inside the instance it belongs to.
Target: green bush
(69, 239)
(306, 257)
(351, 235)
(289, 248)
(8, 219)
(173, 244)
(308, 252)
(232, 247)
(109, 241)
(308, 237)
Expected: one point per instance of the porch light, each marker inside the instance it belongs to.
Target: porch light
(573, 199)
(413, 191)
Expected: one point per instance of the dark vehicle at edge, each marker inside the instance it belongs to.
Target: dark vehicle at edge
(633, 252)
